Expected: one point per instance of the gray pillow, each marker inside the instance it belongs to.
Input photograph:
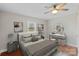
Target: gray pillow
(34, 38)
(27, 39)
(38, 36)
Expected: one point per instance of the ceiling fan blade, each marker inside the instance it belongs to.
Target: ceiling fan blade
(47, 7)
(65, 9)
(47, 12)
(50, 6)
(60, 6)
(64, 3)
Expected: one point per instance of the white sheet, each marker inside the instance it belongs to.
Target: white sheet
(58, 35)
(30, 43)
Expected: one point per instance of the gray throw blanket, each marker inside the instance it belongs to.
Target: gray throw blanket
(41, 48)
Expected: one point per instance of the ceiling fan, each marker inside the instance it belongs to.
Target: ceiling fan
(55, 8)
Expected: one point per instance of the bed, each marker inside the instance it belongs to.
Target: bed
(38, 48)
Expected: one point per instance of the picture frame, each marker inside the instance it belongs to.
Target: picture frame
(41, 27)
(31, 27)
(18, 26)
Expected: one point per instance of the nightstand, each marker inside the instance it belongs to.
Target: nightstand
(12, 46)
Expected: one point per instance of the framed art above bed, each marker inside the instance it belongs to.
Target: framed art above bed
(18, 26)
(31, 26)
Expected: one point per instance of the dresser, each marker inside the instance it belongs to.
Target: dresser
(61, 39)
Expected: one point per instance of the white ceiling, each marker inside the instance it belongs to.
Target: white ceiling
(37, 9)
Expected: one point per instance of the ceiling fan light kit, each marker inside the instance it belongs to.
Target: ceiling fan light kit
(54, 11)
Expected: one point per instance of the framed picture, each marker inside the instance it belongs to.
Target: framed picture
(31, 27)
(18, 26)
(41, 27)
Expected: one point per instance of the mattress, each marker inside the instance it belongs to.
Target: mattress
(38, 48)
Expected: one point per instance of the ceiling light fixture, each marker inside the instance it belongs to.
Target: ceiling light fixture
(54, 11)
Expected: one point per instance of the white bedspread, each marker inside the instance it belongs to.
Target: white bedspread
(30, 43)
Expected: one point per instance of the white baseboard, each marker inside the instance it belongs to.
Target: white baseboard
(3, 50)
(72, 45)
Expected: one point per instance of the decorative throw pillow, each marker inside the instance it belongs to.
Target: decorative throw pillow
(42, 36)
(27, 39)
(38, 36)
(34, 38)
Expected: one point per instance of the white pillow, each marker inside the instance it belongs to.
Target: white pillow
(26, 40)
(53, 39)
(39, 37)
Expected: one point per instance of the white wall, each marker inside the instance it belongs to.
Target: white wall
(77, 30)
(6, 25)
(69, 23)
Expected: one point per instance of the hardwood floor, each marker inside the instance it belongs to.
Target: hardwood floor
(70, 50)
(15, 53)
(65, 51)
